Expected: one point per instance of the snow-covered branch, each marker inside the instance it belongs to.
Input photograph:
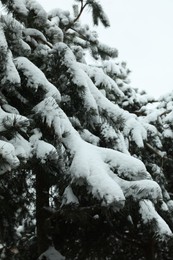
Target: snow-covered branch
(8, 160)
(150, 216)
(35, 78)
(10, 121)
(98, 166)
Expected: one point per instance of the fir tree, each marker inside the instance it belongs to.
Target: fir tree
(79, 150)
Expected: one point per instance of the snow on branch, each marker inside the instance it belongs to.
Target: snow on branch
(10, 75)
(105, 51)
(139, 189)
(124, 165)
(44, 151)
(60, 17)
(10, 121)
(94, 99)
(22, 147)
(112, 69)
(51, 254)
(69, 197)
(84, 156)
(8, 158)
(102, 80)
(35, 78)
(14, 32)
(9, 72)
(99, 167)
(88, 165)
(76, 76)
(34, 34)
(23, 8)
(10, 109)
(3, 42)
(53, 31)
(40, 15)
(131, 127)
(16, 6)
(150, 216)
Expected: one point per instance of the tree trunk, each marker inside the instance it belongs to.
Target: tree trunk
(149, 250)
(42, 200)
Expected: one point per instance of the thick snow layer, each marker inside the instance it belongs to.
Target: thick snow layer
(138, 190)
(9, 121)
(111, 68)
(96, 165)
(89, 137)
(53, 116)
(113, 137)
(149, 214)
(16, 32)
(100, 79)
(40, 18)
(8, 154)
(60, 16)
(88, 165)
(51, 254)
(36, 34)
(152, 116)
(44, 151)
(122, 144)
(132, 125)
(3, 42)
(54, 20)
(35, 78)
(11, 75)
(169, 117)
(22, 147)
(124, 165)
(107, 50)
(168, 133)
(79, 77)
(164, 207)
(10, 22)
(94, 99)
(20, 7)
(9, 109)
(25, 49)
(136, 129)
(170, 205)
(108, 132)
(69, 197)
(53, 31)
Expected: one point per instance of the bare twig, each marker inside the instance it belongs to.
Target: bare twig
(82, 7)
(158, 153)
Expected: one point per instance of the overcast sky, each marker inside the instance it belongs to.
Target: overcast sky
(142, 31)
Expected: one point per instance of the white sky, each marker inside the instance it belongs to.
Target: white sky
(142, 31)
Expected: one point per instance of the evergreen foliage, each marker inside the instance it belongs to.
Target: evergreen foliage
(86, 164)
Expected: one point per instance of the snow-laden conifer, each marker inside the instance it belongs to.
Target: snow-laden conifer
(76, 134)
